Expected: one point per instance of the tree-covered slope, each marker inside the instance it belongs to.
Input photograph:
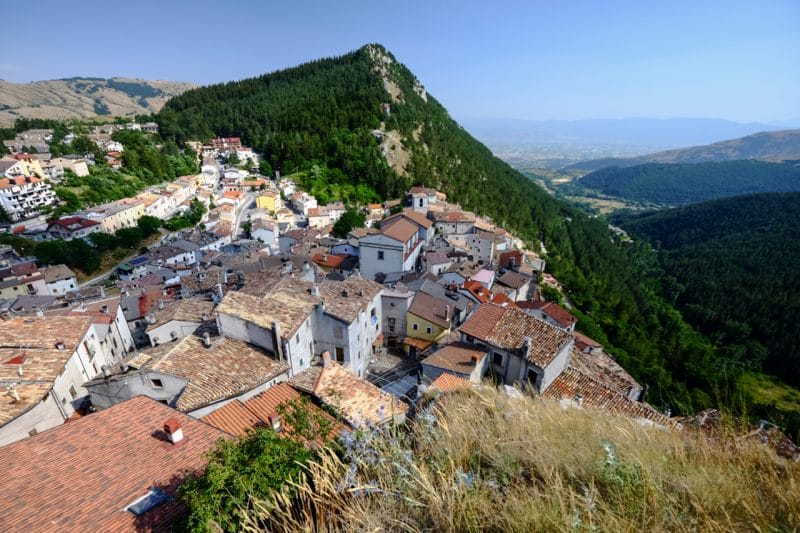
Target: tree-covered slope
(328, 116)
(679, 184)
(733, 270)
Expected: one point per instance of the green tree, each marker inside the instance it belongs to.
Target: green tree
(253, 466)
(352, 218)
(148, 225)
(265, 168)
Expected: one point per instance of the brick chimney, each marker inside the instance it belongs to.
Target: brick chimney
(326, 359)
(173, 430)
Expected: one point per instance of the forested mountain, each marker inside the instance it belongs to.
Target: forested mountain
(764, 146)
(678, 184)
(328, 117)
(77, 98)
(731, 267)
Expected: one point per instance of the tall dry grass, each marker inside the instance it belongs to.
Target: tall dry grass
(480, 461)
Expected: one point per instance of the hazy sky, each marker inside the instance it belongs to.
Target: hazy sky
(539, 60)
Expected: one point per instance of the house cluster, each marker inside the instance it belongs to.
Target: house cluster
(25, 286)
(23, 190)
(209, 335)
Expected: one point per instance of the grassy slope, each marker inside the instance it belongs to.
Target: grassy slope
(482, 461)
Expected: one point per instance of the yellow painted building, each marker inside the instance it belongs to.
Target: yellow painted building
(269, 200)
(428, 320)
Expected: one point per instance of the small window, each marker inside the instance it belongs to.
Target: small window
(153, 498)
(73, 392)
(532, 375)
(339, 353)
(392, 305)
(297, 339)
(428, 330)
(497, 359)
(415, 326)
(380, 255)
(157, 383)
(33, 432)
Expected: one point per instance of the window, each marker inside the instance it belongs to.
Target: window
(392, 305)
(415, 327)
(497, 359)
(157, 383)
(153, 498)
(339, 354)
(428, 330)
(532, 375)
(73, 392)
(380, 255)
(297, 339)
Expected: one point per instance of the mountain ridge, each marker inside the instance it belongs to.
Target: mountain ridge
(85, 97)
(773, 146)
(325, 121)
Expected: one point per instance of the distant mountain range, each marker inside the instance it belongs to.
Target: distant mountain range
(764, 146)
(84, 97)
(643, 132)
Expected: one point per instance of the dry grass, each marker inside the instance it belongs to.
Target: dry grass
(480, 461)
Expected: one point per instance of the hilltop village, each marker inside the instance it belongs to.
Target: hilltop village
(204, 334)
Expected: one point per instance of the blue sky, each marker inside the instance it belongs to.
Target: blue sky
(494, 58)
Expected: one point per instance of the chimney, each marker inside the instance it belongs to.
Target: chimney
(207, 339)
(60, 344)
(151, 318)
(276, 333)
(578, 399)
(306, 266)
(161, 304)
(326, 359)
(106, 370)
(173, 430)
(447, 312)
(361, 292)
(275, 422)
(39, 313)
(315, 290)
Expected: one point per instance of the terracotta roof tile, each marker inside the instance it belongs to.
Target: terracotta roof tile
(449, 383)
(189, 310)
(432, 309)
(233, 418)
(80, 476)
(400, 230)
(506, 328)
(357, 401)
(457, 357)
(572, 383)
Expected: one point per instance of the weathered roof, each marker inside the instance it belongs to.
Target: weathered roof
(238, 417)
(360, 293)
(558, 313)
(507, 328)
(449, 383)
(289, 304)
(189, 310)
(358, 401)
(57, 273)
(458, 357)
(33, 343)
(432, 309)
(80, 476)
(573, 384)
(400, 230)
(513, 279)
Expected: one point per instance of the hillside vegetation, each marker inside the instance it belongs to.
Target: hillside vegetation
(731, 267)
(80, 98)
(679, 184)
(481, 461)
(773, 146)
(327, 115)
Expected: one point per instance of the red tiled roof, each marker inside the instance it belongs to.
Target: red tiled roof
(449, 383)
(507, 328)
(400, 230)
(557, 313)
(572, 383)
(233, 418)
(80, 476)
(457, 357)
(329, 260)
